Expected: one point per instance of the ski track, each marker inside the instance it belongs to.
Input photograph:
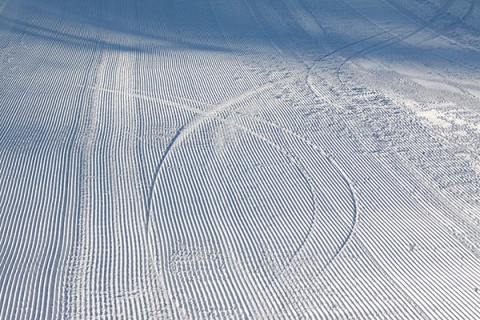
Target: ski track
(383, 43)
(286, 154)
(210, 159)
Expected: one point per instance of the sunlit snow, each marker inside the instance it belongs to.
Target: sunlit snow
(239, 159)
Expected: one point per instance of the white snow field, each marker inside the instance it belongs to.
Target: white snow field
(239, 159)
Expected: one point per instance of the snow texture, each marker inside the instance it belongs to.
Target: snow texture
(234, 159)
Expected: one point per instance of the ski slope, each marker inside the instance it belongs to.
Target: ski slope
(239, 159)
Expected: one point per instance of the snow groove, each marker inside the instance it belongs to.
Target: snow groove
(239, 159)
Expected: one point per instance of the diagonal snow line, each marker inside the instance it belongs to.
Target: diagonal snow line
(441, 12)
(381, 44)
(437, 14)
(147, 97)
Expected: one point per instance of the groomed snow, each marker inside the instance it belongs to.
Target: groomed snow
(234, 159)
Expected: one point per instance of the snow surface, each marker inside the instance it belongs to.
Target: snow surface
(232, 159)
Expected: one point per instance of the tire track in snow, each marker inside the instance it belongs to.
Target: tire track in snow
(82, 254)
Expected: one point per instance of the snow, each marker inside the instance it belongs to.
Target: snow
(239, 159)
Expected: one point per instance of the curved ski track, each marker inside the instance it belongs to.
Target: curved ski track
(204, 116)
